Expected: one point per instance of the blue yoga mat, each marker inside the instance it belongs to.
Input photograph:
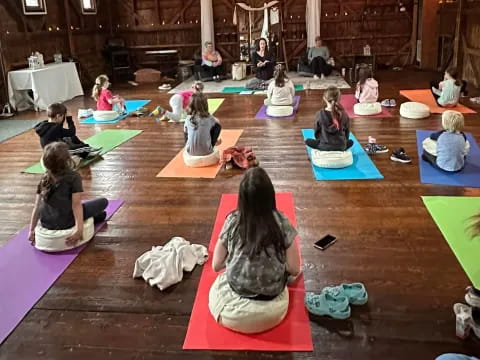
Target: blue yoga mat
(362, 168)
(132, 105)
(468, 177)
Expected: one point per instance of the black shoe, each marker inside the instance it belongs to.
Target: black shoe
(400, 155)
(100, 218)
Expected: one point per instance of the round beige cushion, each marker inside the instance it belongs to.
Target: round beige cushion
(414, 110)
(367, 109)
(201, 161)
(105, 115)
(279, 111)
(245, 315)
(332, 159)
(55, 240)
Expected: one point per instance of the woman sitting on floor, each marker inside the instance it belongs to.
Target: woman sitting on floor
(447, 149)
(58, 203)
(318, 57)
(212, 61)
(332, 125)
(202, 132)
(281, 91)
(179, 104)
(257, 247)
(263, 62)
(447, 92)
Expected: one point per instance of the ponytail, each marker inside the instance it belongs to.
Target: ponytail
(100, 81)
(335, 115)
(198, 86)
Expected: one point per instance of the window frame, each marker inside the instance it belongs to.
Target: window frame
(35, 10)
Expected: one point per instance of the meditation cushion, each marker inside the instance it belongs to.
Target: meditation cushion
(245, 315)
(367, 109)
(201, 161)
(55, 240)
(430, 146)
(414, 110)
(332, 159)
(279, 111)
(105, 115)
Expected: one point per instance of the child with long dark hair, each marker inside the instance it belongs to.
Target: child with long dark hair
(58, 203)
(447, 92)
(257, 248)
(367, 88)
(332, 125)
(281, 91)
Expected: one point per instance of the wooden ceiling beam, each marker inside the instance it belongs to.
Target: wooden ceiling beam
(181, 13)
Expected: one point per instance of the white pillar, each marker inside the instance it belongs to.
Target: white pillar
(208, 31)
(312, 17)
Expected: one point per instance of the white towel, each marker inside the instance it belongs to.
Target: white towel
(163, 266)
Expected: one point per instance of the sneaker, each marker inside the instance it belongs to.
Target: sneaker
(315, 77)
(94, 153)
(400, 155)
(380, 149)
(326, 304)
(472, 298)
(355, 293)
(165, 87)
(392, 103)
(385, 103)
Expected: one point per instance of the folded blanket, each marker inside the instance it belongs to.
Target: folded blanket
(241, 157)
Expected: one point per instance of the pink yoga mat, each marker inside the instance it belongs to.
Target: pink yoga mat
(27, 273)
(262, 113)
(349, 100)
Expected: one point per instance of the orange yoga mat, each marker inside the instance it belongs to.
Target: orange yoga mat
(177, 168)
(425, 96)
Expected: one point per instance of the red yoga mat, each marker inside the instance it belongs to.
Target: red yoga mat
(204, 333)
(348, 101)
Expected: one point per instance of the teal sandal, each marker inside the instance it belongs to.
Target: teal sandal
(355, 293)
(325, 304)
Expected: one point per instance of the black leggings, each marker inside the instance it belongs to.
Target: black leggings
(212, 70)
(95, 208)
(320, 67)
(315, 144)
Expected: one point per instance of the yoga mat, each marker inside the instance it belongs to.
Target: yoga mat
(262, 113)
(176, 168)
(239, 89)
(468, 177)
(213, 106)
(452, 216)
(425, 96)
(131, 105)
(362, 168)
(26, 274)
(106, 139)
(12, 128)
(349, 100)
(204, 333)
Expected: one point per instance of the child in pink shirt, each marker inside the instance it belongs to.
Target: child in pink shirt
(105, 100)
(367, 88)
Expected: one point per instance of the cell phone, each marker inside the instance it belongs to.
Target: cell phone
(325, 242)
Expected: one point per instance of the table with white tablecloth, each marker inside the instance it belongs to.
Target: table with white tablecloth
(50, 84)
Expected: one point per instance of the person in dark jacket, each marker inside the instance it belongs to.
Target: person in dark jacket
(52, 130)
(263, 62)
(332, 125)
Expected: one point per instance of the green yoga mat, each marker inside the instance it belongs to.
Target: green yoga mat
(213, 106)
(452, 216)
(239, 89)
(106, 139)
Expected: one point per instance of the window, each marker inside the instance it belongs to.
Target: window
(34, 7)
(89, 7)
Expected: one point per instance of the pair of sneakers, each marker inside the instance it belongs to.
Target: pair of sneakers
(373, 148)
(335, 301)
(465, 324)
(217, 78)
(389, 103)
(315, 77)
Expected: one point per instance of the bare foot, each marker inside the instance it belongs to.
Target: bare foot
(219, 142)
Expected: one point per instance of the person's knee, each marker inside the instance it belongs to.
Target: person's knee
(103, 202)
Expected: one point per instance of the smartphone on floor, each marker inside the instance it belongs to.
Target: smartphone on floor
(325, 242)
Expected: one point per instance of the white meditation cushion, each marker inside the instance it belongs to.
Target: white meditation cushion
(55, 240)
(100, 115)
(414, 110)
(279, 111)
(367, 109)
(430, 146)
(332, 159)
(201, 161)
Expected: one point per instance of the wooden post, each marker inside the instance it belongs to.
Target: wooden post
(413, 45)
(429, 34)
(71, 43)
(458, 34)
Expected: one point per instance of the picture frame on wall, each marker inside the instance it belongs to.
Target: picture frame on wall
(89, 7)
(34, 7)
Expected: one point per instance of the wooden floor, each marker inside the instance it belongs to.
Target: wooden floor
(386, 239)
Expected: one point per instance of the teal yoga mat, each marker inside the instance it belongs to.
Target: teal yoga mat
(362, 169)
(239, 89)
(132, 105)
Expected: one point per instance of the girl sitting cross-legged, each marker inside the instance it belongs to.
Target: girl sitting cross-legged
(281, 90)
(258, 250)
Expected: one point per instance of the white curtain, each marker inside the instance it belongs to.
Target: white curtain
(313, 14)
(208, 31)
(265, 24)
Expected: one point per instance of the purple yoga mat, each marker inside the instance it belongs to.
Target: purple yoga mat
(27, 273)
(349, 100)
(262, 113)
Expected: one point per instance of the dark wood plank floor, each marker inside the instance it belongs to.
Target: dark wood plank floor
(386, 239)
